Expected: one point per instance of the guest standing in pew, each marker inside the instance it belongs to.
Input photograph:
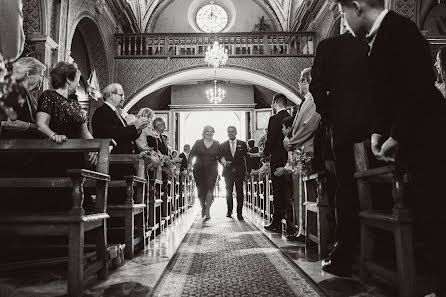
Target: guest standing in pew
(409, 124)
(282, 185)
(304, 127)
(21, 123)
(108, 123)
(252, 161)
(205, 153)
(60, 117)
(233, 154)
(339, 87)
(22, 110)
(184, 158)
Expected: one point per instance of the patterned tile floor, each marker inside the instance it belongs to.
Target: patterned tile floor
(227, 257)
(137, 277)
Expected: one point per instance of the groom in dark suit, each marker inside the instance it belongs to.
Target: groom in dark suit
(233, 154)
(410, 114)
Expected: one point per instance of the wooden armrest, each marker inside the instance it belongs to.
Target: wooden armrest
(313, 176)
(93, 175)
(391, 169)
(137, 179)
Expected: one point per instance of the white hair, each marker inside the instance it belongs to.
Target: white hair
(111, 89)
(207, 127)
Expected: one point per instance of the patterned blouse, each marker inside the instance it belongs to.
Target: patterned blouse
(66, 113)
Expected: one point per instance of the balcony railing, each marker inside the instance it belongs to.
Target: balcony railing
(159, 45)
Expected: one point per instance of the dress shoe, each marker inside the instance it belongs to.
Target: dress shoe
(272, 226)
(336, 269)
(276, 230)
(228, 215)
(240, 217)
(295, 237)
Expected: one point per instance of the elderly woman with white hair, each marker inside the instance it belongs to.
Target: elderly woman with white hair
(205, 152)
(21, 106)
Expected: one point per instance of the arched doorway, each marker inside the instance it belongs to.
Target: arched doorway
(89, 53)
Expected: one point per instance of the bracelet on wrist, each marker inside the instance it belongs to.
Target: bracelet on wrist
(51, 137)
(29, 126)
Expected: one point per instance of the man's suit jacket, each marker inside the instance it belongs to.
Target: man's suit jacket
(238, 166)
(340, 89)
(106, 124)
(402, 79)
(305, 125)
(183, 161)
(158, 144)
(274, 141)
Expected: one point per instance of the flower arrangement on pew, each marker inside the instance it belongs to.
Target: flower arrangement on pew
(152, 159)
(8, 87)
(299, 162)
(262, 171)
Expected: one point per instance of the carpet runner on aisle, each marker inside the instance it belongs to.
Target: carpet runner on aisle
(227, 257)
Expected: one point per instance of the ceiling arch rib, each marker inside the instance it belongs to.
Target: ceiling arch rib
(145, 11)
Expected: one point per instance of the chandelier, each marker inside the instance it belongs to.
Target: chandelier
(215, 95)
(216, 55)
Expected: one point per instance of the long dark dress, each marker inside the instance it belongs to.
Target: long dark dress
(205, 166)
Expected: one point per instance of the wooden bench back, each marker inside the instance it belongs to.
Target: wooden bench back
(71, 145)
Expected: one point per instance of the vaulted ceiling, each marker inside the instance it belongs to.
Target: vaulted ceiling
(145, 10)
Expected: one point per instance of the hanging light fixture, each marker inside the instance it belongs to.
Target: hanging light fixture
(216, 55)
(215, 95)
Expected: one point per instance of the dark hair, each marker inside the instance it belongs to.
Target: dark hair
(61, 72)
(280, 99)
(371, 3)
(288, 121)
(251, 143)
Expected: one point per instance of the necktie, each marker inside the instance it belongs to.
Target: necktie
(119, 116)
(233, 148)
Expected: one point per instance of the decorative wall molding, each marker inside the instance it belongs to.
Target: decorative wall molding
(137, 74)
(407, 8)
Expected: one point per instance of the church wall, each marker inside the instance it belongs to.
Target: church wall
(196, 94)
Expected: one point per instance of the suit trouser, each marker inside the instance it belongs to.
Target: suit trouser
(283, 199)
(230, 181)
(347, 205)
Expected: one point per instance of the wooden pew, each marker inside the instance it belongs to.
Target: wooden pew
(270, 198)
(166, 208)
(154, 217)
(131, 206)
(315, 194)
(397, 221)
(71, 224)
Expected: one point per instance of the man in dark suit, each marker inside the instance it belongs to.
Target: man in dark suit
(410, 113)
(234, 153)
(339, 87)
(184, 158)
(282, 185)
(108, 123)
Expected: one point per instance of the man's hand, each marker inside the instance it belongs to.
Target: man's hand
(141, 123)
(280, 171)
(16, 125)
(389, 149)
(376, 142)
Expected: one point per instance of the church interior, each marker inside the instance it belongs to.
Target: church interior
(91, 210)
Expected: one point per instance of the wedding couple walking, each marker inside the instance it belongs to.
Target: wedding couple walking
(232, 155)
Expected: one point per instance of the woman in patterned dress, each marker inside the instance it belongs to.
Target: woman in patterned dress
(205, 153)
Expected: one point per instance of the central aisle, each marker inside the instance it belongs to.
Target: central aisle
(228, 257)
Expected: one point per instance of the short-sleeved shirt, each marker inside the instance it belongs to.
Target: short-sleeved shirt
(66, 113)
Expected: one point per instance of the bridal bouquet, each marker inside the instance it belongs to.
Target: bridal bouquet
(298, 162)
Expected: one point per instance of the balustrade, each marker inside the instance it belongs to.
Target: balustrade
(160, 45)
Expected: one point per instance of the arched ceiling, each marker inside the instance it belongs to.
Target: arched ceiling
(145, 9)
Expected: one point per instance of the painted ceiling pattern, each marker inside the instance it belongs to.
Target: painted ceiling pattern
(144, 9)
